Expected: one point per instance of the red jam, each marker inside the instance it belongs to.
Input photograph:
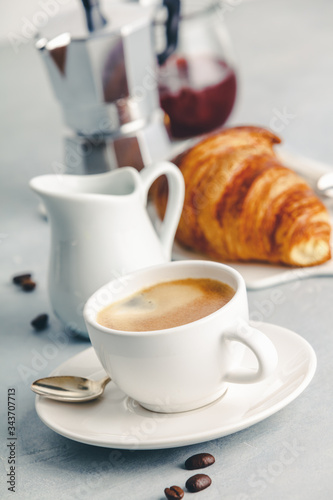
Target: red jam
(197, 93)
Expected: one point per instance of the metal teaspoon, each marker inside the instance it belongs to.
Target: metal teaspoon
(69, 389)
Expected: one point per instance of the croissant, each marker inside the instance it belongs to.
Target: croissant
(241, 204)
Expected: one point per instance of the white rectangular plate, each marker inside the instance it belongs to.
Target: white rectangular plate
(259, 275)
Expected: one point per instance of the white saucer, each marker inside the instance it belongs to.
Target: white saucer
(116, 421)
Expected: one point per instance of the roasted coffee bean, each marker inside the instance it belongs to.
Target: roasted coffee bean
(28, 285)
(199, 461)
(40, 322)
(198, 482)
(174, 493)
(21, 277)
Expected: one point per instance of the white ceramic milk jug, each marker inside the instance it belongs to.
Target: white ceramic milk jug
(100, 230)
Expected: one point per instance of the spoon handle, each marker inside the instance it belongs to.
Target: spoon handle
(105, 380)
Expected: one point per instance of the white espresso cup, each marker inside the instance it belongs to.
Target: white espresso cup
(184, 367)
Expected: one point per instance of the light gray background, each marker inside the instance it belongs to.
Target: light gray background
(284, 54)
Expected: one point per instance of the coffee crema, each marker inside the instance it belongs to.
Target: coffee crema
(166, 305)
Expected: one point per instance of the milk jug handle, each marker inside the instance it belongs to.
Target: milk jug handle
(175, 199)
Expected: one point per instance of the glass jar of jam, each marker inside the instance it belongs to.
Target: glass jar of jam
(197, 83)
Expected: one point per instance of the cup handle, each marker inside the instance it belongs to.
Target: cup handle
(175, 199)
(262, 348)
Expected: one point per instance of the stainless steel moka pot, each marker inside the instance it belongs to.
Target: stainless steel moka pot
(102, 66)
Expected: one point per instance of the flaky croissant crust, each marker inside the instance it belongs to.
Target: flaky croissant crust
(241, 204)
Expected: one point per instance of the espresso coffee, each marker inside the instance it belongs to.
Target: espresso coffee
(166, 305)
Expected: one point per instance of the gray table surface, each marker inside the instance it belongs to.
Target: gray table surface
(284, 53)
